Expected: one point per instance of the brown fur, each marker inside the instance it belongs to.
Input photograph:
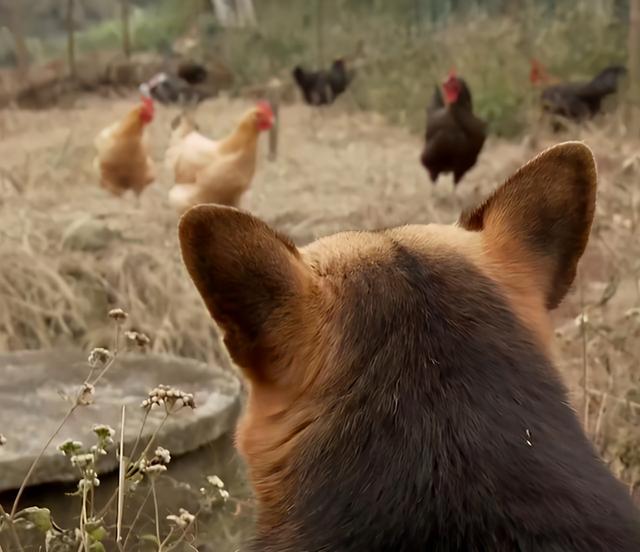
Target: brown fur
(394, 375)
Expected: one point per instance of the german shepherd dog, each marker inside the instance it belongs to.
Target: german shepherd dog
(402, 395)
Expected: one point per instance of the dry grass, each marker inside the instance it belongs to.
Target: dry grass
(69, 251)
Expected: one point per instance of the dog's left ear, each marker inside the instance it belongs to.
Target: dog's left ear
(251, 278)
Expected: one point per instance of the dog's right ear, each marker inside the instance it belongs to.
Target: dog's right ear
(251, 278)
(539, 220)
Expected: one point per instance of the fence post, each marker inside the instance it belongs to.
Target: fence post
(274, 94)
(320, 33)
(633, 95)
(16, 29)
(71, 39)
(126, 33)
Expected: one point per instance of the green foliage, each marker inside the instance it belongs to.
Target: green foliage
(408, 46)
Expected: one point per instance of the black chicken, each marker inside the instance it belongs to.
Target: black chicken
(454, 135)
(324, 86)
(579, 101)
(192, 72)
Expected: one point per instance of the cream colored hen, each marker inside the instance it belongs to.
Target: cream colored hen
(208, 171)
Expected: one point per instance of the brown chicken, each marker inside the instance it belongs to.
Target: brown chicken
(122, 159)
(208, 171)
(454, 134)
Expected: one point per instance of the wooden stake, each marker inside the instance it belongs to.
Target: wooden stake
(634, 66)
(71, 40)
(126, 31)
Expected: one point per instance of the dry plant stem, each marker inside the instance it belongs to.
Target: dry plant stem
(628, 403)
(155, 434)
(27, 477)
(121, 481)
(137, 441)
(135, 447)
(601, 411)
(184, 533)
(585, 364)
(12, 529)
(83, 520)
(136, 518)
(155, 509)
(68, 415)
(167, 539)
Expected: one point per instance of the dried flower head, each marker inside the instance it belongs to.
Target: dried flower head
(139, 339)
(3, 440)
(155, 469)
(105, 435)
(183, 519)
(86, 395)
(162, 456)
(215, 481)
(172, 398)
(581, 320)
(118, 315)
(104, 431)
(86, 483)
(99, 356)
(214, 494)
(70, 447)
(82, 460)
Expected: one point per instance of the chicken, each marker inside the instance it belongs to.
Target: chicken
(579, 101)
(192, 72)
(323, 87)
(454, 135)
(122, 159)
(538, 75)
(169, 89)
(208, 171)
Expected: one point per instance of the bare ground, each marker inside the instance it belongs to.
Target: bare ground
(69, 251)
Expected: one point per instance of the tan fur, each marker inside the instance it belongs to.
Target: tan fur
(206, 171)
(122, 159)
(278, 305)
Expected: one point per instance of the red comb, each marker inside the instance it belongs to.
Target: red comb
(264, 105)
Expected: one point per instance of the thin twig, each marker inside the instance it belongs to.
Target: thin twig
(166, 539)
(627, 402)
(137, 441)
(585, 364)
(114, 495)
(121, 481)
(136, 518)
(155, 434)
(12, 528)
(83, 519)
(27, 477)
(68, 415)
(155, 508)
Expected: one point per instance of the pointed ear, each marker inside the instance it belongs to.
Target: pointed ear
(541, 217)
(248, 274)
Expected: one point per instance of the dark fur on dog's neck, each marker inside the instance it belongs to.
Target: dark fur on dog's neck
(447, 429)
